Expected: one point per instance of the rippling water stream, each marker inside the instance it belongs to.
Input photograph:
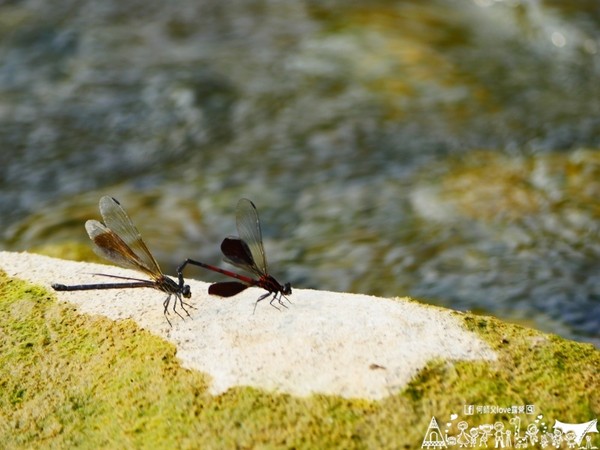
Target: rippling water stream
(446, 150)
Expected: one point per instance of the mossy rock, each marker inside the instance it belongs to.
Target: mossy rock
(72, 380)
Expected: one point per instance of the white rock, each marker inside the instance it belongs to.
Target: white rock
(356, 346)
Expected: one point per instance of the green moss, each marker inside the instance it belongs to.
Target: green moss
(68, 379)
(562, 377)
(72, 380)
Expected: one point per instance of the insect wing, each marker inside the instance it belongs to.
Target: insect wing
(226, 288)
(110, 246)
(117, 220)
(237, 253)
(248, 226)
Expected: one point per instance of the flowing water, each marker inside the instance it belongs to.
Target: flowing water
(446, 150)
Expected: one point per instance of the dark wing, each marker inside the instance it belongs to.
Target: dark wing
(226, 288)
(248, 226)
(119, 241)
(237, 253)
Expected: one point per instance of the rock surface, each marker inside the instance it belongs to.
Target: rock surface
(355, 346)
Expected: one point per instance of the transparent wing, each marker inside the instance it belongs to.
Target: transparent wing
(248, 226)
(110, 246)
(118, 222)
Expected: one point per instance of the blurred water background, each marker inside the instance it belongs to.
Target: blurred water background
(446, 150)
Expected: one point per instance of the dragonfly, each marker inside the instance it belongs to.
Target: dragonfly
(118, 241)
(245, 252)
